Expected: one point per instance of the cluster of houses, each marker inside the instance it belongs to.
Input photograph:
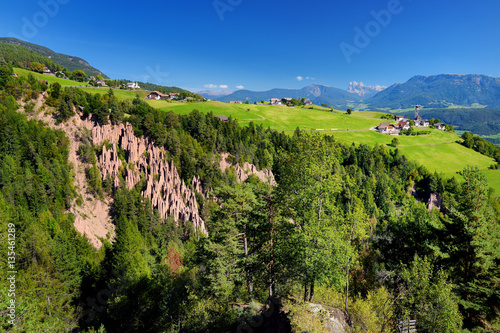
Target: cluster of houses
(286, 100)
(277, 101)
(160, 96)
(58, 74)
(403, 124)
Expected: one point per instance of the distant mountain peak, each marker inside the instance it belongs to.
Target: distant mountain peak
(317, 93)
(441, 91)
(360, 89)
(215, 93)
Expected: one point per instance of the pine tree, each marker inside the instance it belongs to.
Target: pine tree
(426, 296)
(473, 239)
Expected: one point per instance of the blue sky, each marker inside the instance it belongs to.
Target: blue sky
(260, 45)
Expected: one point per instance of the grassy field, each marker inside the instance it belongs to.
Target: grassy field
(372, 138)
(493, 177)
(447, 158)
(49, 78)
(437, 151)
(121, 94)
(278, 117)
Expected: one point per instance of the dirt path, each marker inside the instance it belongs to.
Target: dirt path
(262, 119)
(430, 144)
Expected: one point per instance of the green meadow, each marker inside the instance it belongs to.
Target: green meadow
(438, 152)
(121, 94)
(278, 117)
(49, 78)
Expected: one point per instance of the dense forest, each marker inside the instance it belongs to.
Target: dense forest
(347, 227)
(23, 57)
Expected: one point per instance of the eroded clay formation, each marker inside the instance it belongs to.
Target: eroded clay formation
(167, 192)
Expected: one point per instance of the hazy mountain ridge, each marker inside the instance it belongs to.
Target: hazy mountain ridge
(436, 91)
(440, 91)
(318, 94)
(214, 94)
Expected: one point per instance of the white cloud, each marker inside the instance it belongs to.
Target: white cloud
(223, 86)
(301, 78)
(211, 86)
(240, 87)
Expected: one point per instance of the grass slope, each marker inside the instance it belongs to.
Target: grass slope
(276, 117)
(437, 151)
(120, 94)
(49, 78)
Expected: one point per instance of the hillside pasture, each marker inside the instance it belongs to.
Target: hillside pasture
(279, 117)
(120, 94)
(373, 137)
(438, 152)
(49, 78)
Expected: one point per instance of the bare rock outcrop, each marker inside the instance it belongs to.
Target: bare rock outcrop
(334, 320)
(143, 160)
(435, 201)
(243, 172)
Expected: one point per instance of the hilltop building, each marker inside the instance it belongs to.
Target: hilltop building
(419, 121)
(133, 85)
(440, 126)
(222, 117)
(417, 118)
(157, 95)
(403, 125)
(387, 128)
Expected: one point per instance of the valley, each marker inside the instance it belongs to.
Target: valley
(158, 210)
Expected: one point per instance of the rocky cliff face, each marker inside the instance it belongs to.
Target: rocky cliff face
(167, 192)
(243, 172)
(143, 160)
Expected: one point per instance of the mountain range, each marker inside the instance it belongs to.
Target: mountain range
(317, 93)
(436, 91)
(441, 91)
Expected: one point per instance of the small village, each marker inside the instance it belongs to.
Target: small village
(404, 124)
(280, 101)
